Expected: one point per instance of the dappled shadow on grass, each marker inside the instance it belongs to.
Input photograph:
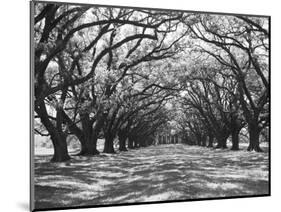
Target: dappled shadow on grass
(156, 173)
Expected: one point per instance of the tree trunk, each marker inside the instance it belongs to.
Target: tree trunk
(58, 139)
(221, 143)
(198, 138)
(60, 148)
(89, 147)
(159, 139)
(164, 140)
(89, 140)
(135, 143)
(211, 141)
(122, 144)
(108, 144)
(144, 142)
(190, 140)
(96, 130)
(172, 139)
(254, 134)
(150, 141)
(204, 142)
(130, 143)
(176, 139)
(95, 141)
(235, 140)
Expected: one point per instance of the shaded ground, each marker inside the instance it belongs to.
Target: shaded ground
(156, 173)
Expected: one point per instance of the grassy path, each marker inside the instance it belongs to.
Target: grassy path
(155, 173)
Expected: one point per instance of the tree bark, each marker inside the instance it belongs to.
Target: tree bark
(164, 140)
(210, 141)
(89, 147)
(221, 143)
(176, 139)
(89, 138)
(60, 148)
(108, 144)
(204, 142)
(143, 142)
(235, 139)
(254, 134)
(58, 138)
(122, 143)
(59, 141)
(172, 139)
(159, 139)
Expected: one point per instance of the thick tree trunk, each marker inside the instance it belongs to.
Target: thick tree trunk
(58, 138)
(210, 141)
(204, 142)
(60, 148)
(176, 139)
(108, 144)
(254, 134)
(89, 147)
(96, 131)
(89, 140)
(122, 144)
(221, 143)
(80, 134)
(159, 139)
(236, 126)
(164, 140)
(59, 142)
(235, 139)
(144, 142)
(150, 141)
(224, 146)
(172, 139)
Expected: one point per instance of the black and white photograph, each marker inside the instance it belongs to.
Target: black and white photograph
(133, 105)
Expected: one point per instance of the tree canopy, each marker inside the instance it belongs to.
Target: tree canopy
(138, 75)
